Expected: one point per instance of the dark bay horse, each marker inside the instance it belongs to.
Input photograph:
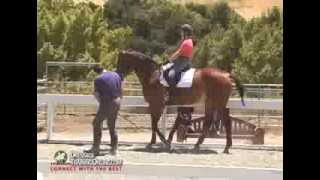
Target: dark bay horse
(210, 85)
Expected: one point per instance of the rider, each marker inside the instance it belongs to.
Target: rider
(181, 59)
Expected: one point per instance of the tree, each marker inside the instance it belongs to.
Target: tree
(88, 33)
(261, 57)
(219, 49)
(59, 31)
(48, 53)
(79, 34)
(220, 14)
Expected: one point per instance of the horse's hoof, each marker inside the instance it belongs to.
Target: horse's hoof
(196, 149)
(114, 152)
(168, 147)
(171, 150)
(148, 147)
(226, 151)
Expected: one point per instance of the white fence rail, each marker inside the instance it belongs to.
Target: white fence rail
(52, 100)
(134, 88)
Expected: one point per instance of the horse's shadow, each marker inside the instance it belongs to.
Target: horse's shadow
(174, 151)
(159, 149)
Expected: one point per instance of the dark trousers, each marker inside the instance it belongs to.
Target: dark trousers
(108, 109)
(173, 74)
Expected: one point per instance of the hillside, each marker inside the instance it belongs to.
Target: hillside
(246, 8)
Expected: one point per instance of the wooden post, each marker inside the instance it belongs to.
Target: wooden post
(50, 117)
(259, 136)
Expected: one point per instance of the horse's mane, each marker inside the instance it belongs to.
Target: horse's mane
(141, 56)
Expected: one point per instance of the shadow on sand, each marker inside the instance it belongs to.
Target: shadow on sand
(175, 150)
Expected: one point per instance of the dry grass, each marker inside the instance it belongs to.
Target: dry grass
(246, 8)
(98, 2)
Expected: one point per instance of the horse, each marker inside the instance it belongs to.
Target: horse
(210, 85)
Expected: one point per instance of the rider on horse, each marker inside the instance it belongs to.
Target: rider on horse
(181, 59)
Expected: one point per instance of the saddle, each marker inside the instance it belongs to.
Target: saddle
(183, 86)
(185, 78)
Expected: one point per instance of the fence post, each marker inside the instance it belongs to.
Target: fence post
(163, 122)
(259, 111)
(50, 117)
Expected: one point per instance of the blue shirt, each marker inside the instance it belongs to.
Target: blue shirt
(108, 85)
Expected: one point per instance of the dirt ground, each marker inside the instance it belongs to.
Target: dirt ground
(206, 157)
(79, 127)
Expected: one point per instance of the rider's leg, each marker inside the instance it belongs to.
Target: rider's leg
(180, 65)
(174, 74)
(172, 77)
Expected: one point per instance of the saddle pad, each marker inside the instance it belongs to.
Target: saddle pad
(186, 77)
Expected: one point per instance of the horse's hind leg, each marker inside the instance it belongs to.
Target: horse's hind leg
(205, 128)
(228, 126)
(154, 135)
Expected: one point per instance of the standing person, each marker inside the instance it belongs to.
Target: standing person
(181, 58)
(107, 91)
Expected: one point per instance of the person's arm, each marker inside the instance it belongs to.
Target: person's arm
(178, 52)
(95, 92)
(97, 96)
(175, 55)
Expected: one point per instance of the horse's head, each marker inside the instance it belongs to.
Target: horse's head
(130, 60)
(126, 63)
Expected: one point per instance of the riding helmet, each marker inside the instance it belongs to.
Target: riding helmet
(187, 29)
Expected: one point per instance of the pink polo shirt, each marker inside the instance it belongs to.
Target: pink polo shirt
(186, 48)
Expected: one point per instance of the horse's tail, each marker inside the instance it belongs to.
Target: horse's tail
(239, 87)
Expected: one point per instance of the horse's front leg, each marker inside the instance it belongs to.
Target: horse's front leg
(154, 123)
(156, 112)
(153, 129)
